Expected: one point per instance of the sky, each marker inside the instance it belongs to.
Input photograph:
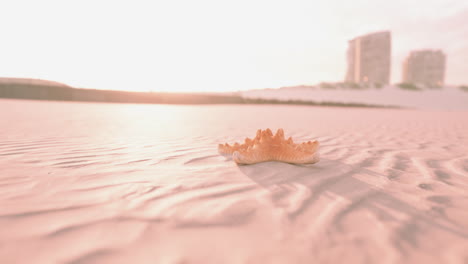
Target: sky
(217, 45)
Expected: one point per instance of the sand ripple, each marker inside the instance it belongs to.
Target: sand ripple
(127, 184)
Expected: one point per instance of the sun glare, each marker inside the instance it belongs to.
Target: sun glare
(212, 45)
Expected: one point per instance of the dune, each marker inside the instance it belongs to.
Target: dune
(123, 183)
(31, 82)
(446, 98)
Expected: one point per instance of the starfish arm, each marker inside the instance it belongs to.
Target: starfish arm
(298, 157)
(225, 149)
(250, 157)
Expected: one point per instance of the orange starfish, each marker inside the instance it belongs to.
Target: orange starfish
(266, 147)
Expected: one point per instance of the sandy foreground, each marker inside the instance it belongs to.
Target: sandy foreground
(114, 183)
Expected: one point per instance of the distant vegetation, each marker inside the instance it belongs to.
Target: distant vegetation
(419, 86)
(350, 85)
(59, 92)
(62, 93)
(340, 85)
(433, 86)
(409, 86)
(464, 88)
(299, 102)
(325, 85)
(378, 85)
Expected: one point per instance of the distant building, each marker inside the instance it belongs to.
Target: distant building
(369, 58)
(425, 67)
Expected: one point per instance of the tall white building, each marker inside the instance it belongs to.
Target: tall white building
(369, 58)
(425, 67)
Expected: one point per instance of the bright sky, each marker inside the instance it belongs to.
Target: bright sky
(216, 45)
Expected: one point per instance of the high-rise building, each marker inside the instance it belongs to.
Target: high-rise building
(424, 67)
(369, 58)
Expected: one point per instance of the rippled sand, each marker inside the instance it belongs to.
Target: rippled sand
(114, 183)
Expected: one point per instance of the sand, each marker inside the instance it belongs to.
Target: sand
(448, 98)
(112, 183)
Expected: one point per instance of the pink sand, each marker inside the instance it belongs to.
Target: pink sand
(115, 183)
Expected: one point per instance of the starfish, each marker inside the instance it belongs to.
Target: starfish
(268, 147)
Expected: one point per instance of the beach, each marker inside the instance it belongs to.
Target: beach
(448, 98)
(128, 183)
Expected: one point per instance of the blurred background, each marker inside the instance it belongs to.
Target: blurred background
(231, 46)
